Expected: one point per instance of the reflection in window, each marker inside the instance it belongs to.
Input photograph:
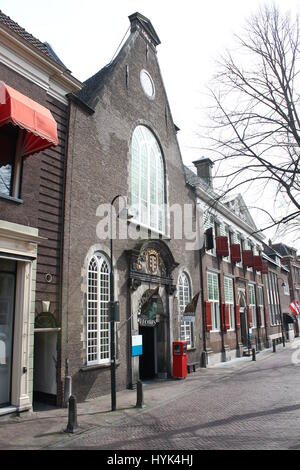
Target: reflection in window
(8, 137)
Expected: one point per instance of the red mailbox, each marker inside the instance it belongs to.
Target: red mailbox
(180, 359)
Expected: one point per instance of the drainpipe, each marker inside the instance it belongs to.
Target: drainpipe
(203, 360)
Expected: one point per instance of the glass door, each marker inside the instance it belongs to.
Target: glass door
(7, 299)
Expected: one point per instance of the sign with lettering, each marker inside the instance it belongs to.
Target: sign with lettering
(137, 345)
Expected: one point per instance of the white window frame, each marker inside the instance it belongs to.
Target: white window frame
(209, 222)
(98, 296)
(237, 240)
(229, 300)
(260, 302)
(214, 300)
(147, 181)
(187, 330)
(252, 304)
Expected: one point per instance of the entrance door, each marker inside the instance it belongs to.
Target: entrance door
(244, 329)
(147, 360)
(7, 298)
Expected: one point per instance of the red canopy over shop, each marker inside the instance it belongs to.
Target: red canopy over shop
(37, 121)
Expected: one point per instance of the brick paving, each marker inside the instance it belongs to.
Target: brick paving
(243, 405)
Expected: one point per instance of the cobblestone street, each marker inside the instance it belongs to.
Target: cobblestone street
(252, 405)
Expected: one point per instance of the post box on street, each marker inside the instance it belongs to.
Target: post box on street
(179, 359)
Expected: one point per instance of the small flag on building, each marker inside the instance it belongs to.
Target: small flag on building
(191, 307)
(295, 307)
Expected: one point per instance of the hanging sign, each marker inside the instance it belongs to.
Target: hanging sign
(137, 345)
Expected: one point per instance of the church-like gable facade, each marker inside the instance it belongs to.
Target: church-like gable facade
(122, 141)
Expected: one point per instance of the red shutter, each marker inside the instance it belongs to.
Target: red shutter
(235, 253)
(238, 319)
(257, 263)
(266, 317)
(250, 317)
(208, 316)
(227, 321)
(222, 246)
(248, 258)
(258, 317)
(265, 267)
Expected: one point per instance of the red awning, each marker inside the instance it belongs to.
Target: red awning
(36, 120)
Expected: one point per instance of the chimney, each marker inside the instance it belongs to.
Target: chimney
(204, 170)
(270, 243)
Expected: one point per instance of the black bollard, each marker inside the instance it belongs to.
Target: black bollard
(283, 341)
(203, 361)
(72, 415)
(139, 395)
(274, 345)
(253, 354)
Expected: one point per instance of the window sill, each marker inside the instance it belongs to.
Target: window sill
(97, 366)
(11, 199)
(140, 226)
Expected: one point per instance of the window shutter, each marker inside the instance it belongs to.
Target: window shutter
(267, 322)
(208, 316)
(235, 253)
(258, 317)
(265, 267)
(237, 313)
(227, 321)
(248, 258)
(222, 246)
(257, 263)
(250, 317)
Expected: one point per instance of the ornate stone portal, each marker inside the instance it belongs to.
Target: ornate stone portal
(151, 289)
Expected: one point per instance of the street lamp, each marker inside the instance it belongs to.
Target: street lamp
(113, 308)
(281, 318)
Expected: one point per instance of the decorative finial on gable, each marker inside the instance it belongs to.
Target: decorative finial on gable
(142, 24)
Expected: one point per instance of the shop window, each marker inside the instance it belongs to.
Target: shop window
(10, 166)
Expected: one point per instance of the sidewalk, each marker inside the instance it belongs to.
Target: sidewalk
(45, 427)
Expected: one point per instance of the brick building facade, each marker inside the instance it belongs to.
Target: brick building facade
(31, 201)
(117, 142)
(123, 141)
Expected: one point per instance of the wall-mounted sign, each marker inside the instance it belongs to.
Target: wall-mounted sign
(137, 345)
(144, 321)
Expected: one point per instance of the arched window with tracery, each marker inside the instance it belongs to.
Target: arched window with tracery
(147, 180)
(184, 298)
(98, 326)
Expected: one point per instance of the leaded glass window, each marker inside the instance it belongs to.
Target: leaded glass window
(98, 326)
(229, 299)
(147, 184)
(184, 298)
(213, 297)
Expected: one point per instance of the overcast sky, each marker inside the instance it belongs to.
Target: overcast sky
(86, 34)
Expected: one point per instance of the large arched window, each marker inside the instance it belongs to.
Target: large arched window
(147, 185)
(184, 298)
(98, 326)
